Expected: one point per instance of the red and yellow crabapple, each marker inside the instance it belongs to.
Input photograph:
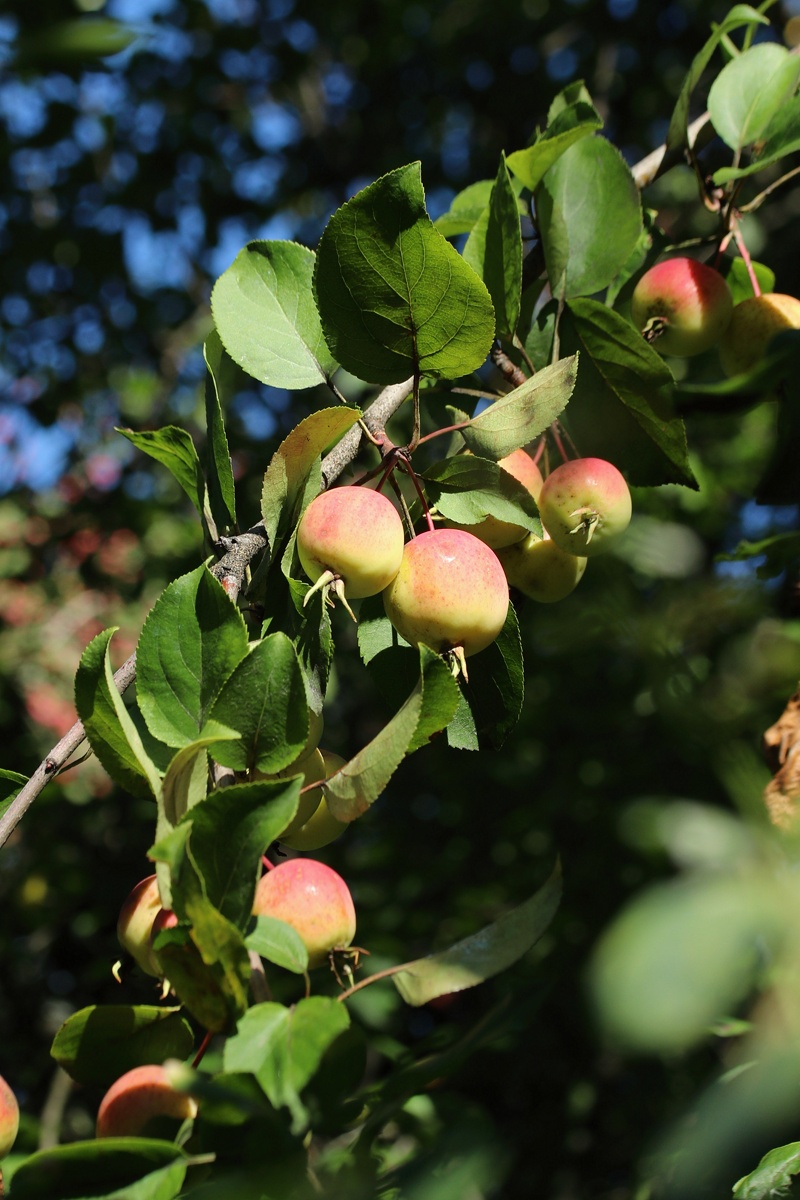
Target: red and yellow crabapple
(491, 529)
(9, 1118)
(135, 924)
(136, 1098)
(584, 504)
(540, 569)
(314, 900)
(450, 593)
(682, 306)
(350, 542)
(321, 828)
(754, 324)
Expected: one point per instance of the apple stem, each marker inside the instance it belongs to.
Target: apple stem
(737, 237)
(556, 436)
(405, 465)
(206, 1042)
(403, 506)
(269, 866)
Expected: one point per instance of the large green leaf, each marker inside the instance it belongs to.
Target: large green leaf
(466, 489)
(190, 643)
(292, 463)
(283, 1047)
(394, 296)
(105, 1169)
(780, 139)
(100, 1043)
(750, 90)
(110, 730)
(220, 387)
(173, 448)
(494, 251)
(622, 405)
(264, 699)
(772, 1177)
(740, 14)
(589, 215)
(264, 310)
(523, 414)
(491, 699)
(279, 943)
(231, 829)
(483, 954)
(569, 122)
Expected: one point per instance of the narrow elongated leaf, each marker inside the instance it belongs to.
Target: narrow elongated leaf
(523, 414)
(292, 463)
(491, 699)
(283, 1047)
(279, 943)
(622, 406)
(740, 14)
(220, 386)
(264, 310)
(178, 678)
(110, 730)
(100, 1043)
(484, 954)
(780, 138)
(264, 699)
(573, 122)
(494, 251)
(231, 830)
(750, 90)
(10, 784)
(772, 1177)
(103, 1167)
(466, 489)
(394, 296)
(590, 217)
(174, 448)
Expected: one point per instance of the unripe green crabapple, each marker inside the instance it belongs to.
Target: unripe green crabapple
(682, 306)
(540, 569)
(350, 541)
(314, 900)
(584, 505)
(754, 324)
(321, 828)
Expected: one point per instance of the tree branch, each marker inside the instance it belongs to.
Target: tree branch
(230, 569)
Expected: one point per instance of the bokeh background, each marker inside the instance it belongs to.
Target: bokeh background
(143, 143)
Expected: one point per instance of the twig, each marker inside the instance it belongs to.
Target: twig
(230, 569)
(53, 1112)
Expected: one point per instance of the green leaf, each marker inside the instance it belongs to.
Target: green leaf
(483, 954)
(359, 782)
(780, 551)
(568, 125)
(622, 406)
(283, 1047)
(174, 449)
(740, 14)
(465, 209)
(750, 90)
(679, 957)
(110, 730)
(279, 943)
(100, 1043)
(264, 699)
(179, 675)
(264, 310)
(523, 414)
(122, 1168)
(10, 784)
(394, 296)
(740, 283)
(231, 830)
(494, 251)
(292, 463)
(186, 778)
(466, 489)
(590, 217)
(773, 1175)
(780, 139)
(220, 388)
(79, 40)
(491, 699)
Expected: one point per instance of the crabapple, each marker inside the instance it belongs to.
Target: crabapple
(681, 306)
(135, 924)
(491, 529)
(450, 593)
(9, 1118)
(314, 900)
(540, 569)
(754, 324)
(321, 828)
(350, 541)
(312, 768)
(584, 504)
(136, 1098)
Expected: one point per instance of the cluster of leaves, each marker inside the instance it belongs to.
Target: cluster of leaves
(386, 300)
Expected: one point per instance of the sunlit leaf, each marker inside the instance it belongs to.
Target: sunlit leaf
(100, 1043)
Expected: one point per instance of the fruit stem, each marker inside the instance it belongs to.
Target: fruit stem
(405, 465)
(206, 1042)
(737, 237)
(555, 433)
